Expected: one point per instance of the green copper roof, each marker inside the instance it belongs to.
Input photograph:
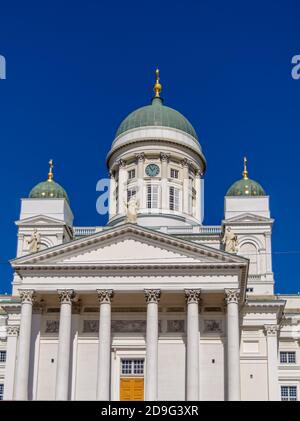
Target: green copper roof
(246, 187)
(156, 114)
(48, 189)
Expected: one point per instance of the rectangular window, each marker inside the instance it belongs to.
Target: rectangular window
(2, 356)
(130, 194)
(174, 173)
(174, 198)
(1, 391)
(152, 196)
(132, 367)
(288, 357)
(288, 393)
(131, 174)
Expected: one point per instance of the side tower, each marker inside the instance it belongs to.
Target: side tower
(247, 213)
(46, 218)
(157, 160)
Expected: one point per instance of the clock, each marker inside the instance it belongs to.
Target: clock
(152, 170)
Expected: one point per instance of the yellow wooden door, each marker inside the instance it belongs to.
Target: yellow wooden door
(131, 389)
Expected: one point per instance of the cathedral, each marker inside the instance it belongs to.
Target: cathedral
(154, 305)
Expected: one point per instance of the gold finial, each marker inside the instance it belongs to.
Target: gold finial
(157, 87)
(245, 172)
(50, 173)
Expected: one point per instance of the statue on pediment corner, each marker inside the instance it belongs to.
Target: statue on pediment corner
(230, 241)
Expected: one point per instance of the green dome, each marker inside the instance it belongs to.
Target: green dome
(156, 114)
(246, 187)
(48, 189)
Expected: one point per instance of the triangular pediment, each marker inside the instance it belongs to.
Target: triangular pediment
(39, 220)
(249, 218)
(128, 245)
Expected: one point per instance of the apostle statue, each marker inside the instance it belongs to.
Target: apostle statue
(34, 242)
(230, 241)
(132, 208)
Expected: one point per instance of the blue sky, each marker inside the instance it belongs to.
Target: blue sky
(75, 69)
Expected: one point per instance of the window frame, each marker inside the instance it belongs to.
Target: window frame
(285, 355)
(288, 396)
(173, 197)
(152, 198)
(134, 367)
(3, 352)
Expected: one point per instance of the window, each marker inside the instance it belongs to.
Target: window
(152, 196)
(288, 357)
(288, 393)
(132, 367)
(1, 391)
(174, 199)
(174, 173)
(130, 194)
(2, 356)
(131, 174)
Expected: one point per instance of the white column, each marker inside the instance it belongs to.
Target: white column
(272, 351)
(112, 196)
(37, 311)
(104, 351)
(197, 212)
(76, 309)
(122, 187)
(11, 352)
(164, 181)
(152, 298)
(185, 185)
(233, 344)
(140, 159)
(22, 368)
(193, 337)
(64, 344)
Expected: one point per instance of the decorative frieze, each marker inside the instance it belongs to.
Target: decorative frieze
(152, 295)
(128, 326)
(232, 296)
(91, 326)
(27, 296)
(12, 330)
(192, 295)
(213, 326)
(175, 326)
(66, 296)
(105, 295)
(52, 326)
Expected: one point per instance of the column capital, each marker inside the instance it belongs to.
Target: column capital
(152, 295)
(232, 296)
(185, 162)
(140, 156)
(192, 295)
(27, 296)
(121, 163)
(105, 295)
(271, 330)
(66, 296)
(164, 157)
(12, 330)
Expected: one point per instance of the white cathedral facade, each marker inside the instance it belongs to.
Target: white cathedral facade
(154, 305)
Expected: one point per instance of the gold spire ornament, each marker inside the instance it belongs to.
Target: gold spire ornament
(50, 173)
(157, 87)
(245, 172)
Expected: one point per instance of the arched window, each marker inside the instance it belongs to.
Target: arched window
(249, 250)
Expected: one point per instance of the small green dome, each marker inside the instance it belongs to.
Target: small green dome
(156, 114)
(48, 189)
(246, 187)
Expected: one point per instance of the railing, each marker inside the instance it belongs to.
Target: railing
(204, 230)
(84, 231)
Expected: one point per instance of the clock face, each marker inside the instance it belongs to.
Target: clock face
(152, 170)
